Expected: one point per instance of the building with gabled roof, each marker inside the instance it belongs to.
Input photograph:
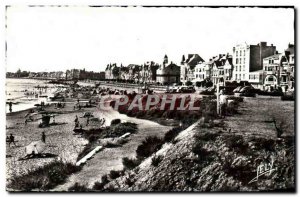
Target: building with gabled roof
(187, 67)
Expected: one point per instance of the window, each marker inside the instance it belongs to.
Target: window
(239, 76)
(240, 67)
(237, 60)
(244, 53)
(235, 76)
(244, 61)
(243, 76)
(271, 78)
(244, 68)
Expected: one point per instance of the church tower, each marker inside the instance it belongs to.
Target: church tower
(165, 60)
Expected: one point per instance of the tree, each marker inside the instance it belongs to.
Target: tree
(198, 83)
(208, 83)
(188, 83)
(115, 72)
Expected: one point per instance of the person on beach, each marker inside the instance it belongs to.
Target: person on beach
(10, 106)
(87, 121)
(76, 122)
(11, 140)
(43, 137)
(76, 119)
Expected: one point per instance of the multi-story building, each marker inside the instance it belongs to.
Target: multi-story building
(187, 67)
(202, 72)
(221, 68)
(271, 67)
(278, 70)
(218, 69)
(148, 72)
(112, 71)
(249, 58)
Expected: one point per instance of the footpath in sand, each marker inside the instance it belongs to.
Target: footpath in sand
(111, 158)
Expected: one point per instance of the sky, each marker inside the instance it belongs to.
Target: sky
(55, 38)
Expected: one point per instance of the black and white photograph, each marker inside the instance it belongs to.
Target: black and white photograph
(137, 98)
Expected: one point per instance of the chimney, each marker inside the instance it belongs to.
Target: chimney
(263, 44)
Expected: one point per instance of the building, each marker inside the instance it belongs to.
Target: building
(271, 67)
(168, 73)
(278, 70)
(202, 72)
(187, 67)
(249, 58)
(112, 71)
(148, 72)
(256, 79)
(221, 68)
(72, 74)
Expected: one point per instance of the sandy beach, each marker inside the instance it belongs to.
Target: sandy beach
(60, 139)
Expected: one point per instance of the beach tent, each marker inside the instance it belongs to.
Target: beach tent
(36, 147)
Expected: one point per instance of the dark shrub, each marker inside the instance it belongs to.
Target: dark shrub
(88, 148)
(207, 136)
(170, 114)
(130, 163)
(110, 188)
(148, 147)
(44, 178)
(204, 156)
(156, 160)
(263, 143)
(78, 188)
(92, 138)
(99, 186)
(115, 174)
(172, 133)
(115, 122)
(237, 143)
(120, 129)
(141, 114)
(188, 83)
(287, 98)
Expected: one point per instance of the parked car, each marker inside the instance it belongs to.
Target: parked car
(186, 89)
(208, 91)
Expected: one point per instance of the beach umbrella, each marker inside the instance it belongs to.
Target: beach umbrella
(35, 147)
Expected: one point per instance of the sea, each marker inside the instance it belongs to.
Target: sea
(25, 93)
